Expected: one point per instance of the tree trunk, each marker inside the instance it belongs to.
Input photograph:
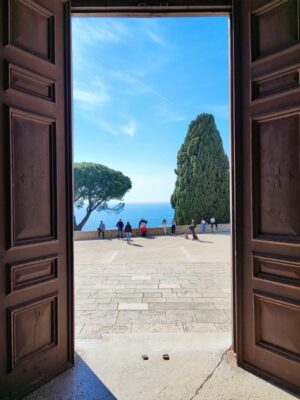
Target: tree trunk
(78, 227)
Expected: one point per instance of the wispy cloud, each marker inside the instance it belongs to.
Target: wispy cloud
(167, 113)
(137, 84)
(99, 31)
(89, 98)
(128, 129)
(153, 31)
(95, 95)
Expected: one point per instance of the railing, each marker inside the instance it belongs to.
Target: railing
(157, 231)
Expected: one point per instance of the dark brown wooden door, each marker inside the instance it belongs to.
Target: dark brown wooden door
(35, 203)
(268, 183)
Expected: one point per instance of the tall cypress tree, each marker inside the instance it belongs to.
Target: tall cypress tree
(202, 185)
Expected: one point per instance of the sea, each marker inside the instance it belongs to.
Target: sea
(154, 213)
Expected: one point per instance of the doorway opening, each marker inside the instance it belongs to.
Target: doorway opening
(152, 97)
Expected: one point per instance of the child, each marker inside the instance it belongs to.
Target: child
(128, 232)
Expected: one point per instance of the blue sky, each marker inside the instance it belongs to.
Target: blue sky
(137, 84)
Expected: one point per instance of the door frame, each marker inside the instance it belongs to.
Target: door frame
(196, 8)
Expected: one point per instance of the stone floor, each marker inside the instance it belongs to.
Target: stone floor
(164, 284)
(155, 296)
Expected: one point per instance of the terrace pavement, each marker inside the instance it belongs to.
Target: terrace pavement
(155, 296)
(161, 284)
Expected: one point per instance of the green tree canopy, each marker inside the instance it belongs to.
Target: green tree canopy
(95, 186)
(202, 184)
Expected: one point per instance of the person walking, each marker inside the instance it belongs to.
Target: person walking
(192, 228)
(212, 222)
(128, 232)
(173, 226)
(143, 227)
(101, 229)
(164, 226)
(120, 226)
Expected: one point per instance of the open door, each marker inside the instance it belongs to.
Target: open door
(36, 323)
(268, 182)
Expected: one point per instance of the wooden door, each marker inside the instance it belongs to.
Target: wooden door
(267, 55)
(36, 321)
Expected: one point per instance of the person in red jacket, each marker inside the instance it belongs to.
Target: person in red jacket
(143, 227)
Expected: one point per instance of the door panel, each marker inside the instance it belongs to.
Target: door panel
(35, 195)
(268, 49)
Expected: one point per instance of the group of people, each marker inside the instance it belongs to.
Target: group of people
(127, 229)
(165, 228)
(193, 226)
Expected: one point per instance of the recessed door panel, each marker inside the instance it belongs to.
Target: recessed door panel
(36, 325)
(268, 230)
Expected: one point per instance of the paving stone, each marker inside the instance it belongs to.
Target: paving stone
(103, 300)
(199, 327)
(223, 305)
(107, 306)
(141, 317)
(189, 294)
(177, 300)
(87, 306)
(169, 286)
(128, 295)
(125, 300)
(142, 286)
(181, 316)
(181, 306)
(125, 291)
(141, 278)
(211, 316)
(154, 300)
(157, 328)
(95, 331)
(154, 294)
(170, 295)
(146, 290)
(132, 306)
(109, 317)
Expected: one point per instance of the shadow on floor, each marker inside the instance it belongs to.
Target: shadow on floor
(77, 383)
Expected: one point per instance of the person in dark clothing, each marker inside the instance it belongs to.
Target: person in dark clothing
(143, 227)
(192, 228)
(173, 226)
(120, 226)
(101, 229)
(128, 232)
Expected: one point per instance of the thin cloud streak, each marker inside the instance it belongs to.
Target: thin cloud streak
(90, 98)
(128, 129)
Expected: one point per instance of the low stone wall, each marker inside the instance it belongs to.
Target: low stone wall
(180, 230)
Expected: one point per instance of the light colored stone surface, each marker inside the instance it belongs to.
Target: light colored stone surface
(168, 285)
(229, 382)
(200, 368)
(191, 324)
(132, 306)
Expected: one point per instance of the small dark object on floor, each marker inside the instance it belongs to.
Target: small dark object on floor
(166, 357)
(145, 357)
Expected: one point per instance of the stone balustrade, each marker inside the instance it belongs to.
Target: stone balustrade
(157, 231)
